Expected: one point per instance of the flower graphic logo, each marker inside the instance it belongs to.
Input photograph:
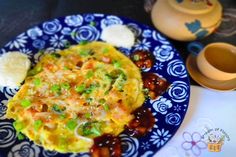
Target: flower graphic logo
(193, 143)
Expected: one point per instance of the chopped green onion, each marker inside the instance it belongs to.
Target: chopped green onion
(117, 64)
(102, 101)
(65, 86)
(87, 115)
(83, 42)
(35, 71)
(84, 53)
(37, 124)
(92, 23)
(96, 84)
(67, 44)
(105, 50)
(80, 88)
(91, 88)
(56, 55)
(56, 88)
(89, 74)
(37, 81)
(86, 132)
(136, 57)
(146, 92)
(91, 128)
(57, 108)
(104, 85)
(123, 76)
(105, 106)
(20, 136)
(96, 131)
(120, 88)
(18, 125)
(107, 92)
(71, 124)
(121, 83)
(62, 116)
(89, 100)
(66, 68)
(116, 73)
(25, 103)
(114, 76)
(108, 77)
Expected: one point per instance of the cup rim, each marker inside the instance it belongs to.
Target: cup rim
(220, 44)
(218, 85)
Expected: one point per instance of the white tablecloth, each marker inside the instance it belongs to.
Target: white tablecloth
(209, 125)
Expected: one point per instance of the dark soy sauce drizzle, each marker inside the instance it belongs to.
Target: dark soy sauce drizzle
(142, 59)
(142, 123)
(106, 145)
(156, 85)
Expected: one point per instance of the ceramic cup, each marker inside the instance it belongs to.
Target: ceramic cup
(217, 61)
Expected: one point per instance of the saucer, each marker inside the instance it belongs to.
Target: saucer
(205, 81)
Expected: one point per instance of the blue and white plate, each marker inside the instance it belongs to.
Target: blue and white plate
(169, 109)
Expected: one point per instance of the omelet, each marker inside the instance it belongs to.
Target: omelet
(75, 95)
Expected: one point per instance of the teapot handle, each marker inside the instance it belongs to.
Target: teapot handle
(195, 48)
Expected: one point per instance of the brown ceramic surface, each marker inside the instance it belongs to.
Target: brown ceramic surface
(217, 61)
(207, 82)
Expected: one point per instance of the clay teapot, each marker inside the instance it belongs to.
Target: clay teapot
(186, 20)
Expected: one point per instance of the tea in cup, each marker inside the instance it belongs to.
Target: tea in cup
(217, 61)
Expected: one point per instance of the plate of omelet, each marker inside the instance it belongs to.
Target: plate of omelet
(90, 85)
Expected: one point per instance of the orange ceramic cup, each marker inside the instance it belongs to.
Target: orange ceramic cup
(217, 61)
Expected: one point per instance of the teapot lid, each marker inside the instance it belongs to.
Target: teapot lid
(193, 6)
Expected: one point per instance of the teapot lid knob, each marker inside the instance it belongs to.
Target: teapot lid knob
(193, 6)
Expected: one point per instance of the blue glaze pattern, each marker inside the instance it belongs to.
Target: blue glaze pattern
(196, 28)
